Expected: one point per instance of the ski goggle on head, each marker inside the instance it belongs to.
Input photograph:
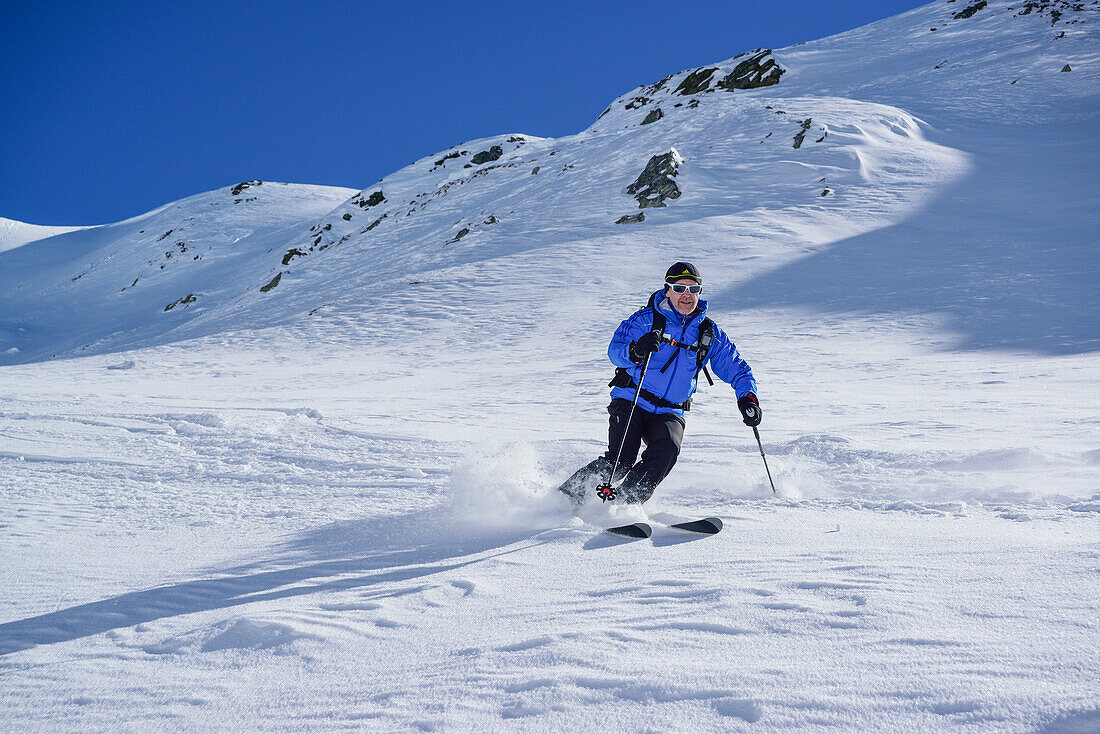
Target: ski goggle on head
(694, 289)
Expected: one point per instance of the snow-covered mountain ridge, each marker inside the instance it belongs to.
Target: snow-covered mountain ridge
(754, 132)
(115, 282)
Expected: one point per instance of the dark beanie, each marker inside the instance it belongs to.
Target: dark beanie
(683, 270)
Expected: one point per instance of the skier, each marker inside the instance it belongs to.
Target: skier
(669, 341)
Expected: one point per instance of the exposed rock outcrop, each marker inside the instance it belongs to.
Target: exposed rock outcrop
(969, 11)
(236, 191)
(800, 136)
(1057, 9)
(655, 183)
(750, 70)
(759, 70)
(696, 81)
(450, 156)
(658, 86)
(374, 199)
(185, 302)
(486, 156)
(272, 283)
(291, 254)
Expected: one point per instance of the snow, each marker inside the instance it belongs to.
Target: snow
(326, 506)
(16, 234)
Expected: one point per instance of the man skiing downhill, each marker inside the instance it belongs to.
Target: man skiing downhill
(669, 342)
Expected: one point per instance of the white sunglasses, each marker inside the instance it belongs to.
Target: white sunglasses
(681, 287)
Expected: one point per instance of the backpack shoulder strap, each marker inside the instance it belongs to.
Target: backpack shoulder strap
(658, 317)
(706, 336)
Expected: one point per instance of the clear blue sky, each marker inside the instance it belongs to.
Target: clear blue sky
(110, 109)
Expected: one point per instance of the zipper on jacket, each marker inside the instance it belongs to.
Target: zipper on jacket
(685, 321)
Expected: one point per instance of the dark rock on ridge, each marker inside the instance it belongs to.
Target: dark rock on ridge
(486, 156)
(759, 70)
(800, 136)
(374, 199)
(969, 11)
(185, 302)
(291, 254)
(272, 283)
(655, 183)
(236, 191)
(695, 82)
(449, 156)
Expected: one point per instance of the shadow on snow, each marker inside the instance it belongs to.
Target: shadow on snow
(349, 555)
(1008, 254)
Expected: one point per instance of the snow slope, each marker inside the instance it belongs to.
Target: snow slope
(313, 493)
(16, 234)
(129, 277)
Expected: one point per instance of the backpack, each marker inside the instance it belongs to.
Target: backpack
(701, 348)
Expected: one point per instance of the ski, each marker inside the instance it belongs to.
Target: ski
(633, 530)
(708, 525)
(705, 526)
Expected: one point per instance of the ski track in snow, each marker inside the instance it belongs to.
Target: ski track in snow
(320, 507)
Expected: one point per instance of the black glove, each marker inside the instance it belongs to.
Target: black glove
(750, 409)
(647, 344)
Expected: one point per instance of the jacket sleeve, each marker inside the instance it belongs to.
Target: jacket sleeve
(618, 351)
(728, 365)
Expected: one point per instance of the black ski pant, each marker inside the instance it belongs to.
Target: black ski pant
(662, 433)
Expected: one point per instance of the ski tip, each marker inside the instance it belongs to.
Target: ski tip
(633, 530)
(708, 525)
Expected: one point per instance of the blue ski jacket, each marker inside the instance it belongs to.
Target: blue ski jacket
(677, 382)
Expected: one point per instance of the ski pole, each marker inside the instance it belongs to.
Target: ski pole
(606, 491)
(765, 458)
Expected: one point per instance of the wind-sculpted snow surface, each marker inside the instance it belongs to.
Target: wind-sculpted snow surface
(1003, 256)
(301, 477)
